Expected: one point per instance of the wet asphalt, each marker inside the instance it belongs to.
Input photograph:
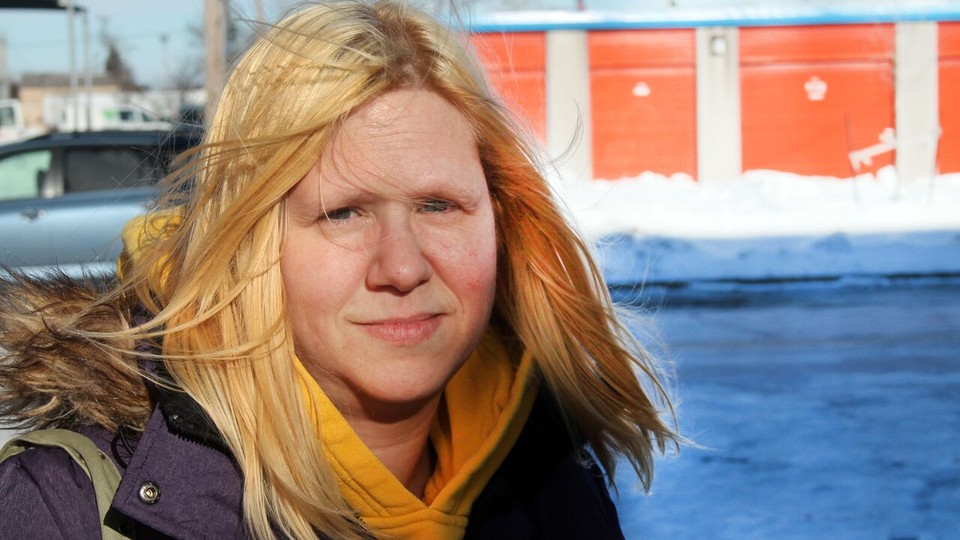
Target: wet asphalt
(822, 411)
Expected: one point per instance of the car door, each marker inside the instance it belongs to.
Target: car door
(25, 180)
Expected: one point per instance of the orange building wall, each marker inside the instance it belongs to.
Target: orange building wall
(948, 154)
(810, 95)
(515, 64)
(643, 102)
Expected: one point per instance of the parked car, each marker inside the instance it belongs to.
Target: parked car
(65, 197)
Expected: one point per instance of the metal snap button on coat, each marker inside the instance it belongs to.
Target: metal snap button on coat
(149, 492)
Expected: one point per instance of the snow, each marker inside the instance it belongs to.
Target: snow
(768, 226)
(766, 203)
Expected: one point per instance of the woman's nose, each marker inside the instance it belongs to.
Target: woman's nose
(398, 260)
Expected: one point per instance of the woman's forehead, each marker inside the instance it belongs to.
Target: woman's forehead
(399, 140)
(405, 114)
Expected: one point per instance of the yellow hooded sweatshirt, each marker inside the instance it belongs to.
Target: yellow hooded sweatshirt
(483, 410)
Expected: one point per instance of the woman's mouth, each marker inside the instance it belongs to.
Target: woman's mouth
(403, 331)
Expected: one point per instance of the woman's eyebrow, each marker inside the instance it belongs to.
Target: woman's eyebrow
(346, 197)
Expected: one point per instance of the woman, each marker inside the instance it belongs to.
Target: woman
(369, 319)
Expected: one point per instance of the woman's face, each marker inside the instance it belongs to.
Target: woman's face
(389, 254)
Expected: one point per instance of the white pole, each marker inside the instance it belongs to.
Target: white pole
(718, 104)
(568, 103)
(73, 67)
(87, 75)
(4, 79)
(917, 107)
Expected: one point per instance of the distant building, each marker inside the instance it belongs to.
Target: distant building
(715, 92)
(35, 87)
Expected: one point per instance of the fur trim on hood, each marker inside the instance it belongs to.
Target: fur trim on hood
(54, 370)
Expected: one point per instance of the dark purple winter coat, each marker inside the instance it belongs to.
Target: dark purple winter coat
(544, 489)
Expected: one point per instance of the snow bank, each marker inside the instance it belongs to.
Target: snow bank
(769, 226)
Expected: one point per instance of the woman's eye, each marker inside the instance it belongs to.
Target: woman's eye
(340, 214)
(436, 206)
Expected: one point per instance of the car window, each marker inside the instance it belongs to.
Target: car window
(6, 117)
(90, 169)
(22, 175)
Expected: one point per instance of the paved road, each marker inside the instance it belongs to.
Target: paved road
(823, 413)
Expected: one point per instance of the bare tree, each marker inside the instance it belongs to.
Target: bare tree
(115, 66)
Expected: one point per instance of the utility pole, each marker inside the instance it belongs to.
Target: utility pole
(215, 45)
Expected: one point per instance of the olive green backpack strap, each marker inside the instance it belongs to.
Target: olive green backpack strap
(101, 470)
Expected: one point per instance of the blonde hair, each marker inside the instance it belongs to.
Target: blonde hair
(211, 278)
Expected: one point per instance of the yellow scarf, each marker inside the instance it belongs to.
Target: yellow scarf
(483, 410)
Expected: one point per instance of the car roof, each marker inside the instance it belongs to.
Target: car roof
(182, 139)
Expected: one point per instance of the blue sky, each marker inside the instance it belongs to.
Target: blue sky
(37, 39)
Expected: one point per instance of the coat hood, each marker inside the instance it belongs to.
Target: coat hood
(53, 371)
